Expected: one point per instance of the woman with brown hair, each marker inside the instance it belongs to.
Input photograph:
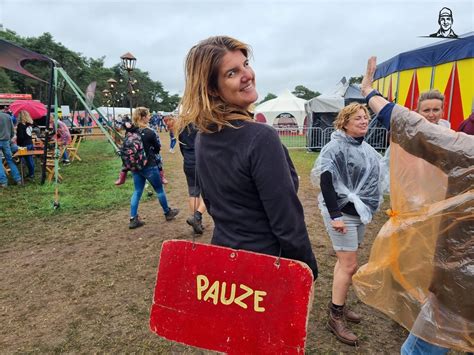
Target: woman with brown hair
(247, 179)
(348, 172)
(141, 118)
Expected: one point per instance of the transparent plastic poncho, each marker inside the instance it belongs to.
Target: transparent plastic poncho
(356, 174)
(421, 266)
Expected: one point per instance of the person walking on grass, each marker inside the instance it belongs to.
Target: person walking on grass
(141, 118)
(196, 205)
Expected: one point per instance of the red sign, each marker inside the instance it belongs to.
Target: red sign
(231, 301)
(16, 96)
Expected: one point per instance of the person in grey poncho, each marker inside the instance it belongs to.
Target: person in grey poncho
(348, 172)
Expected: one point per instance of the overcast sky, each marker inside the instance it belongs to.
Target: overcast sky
(295, 42)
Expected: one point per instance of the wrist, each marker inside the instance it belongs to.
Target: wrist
(371, 94)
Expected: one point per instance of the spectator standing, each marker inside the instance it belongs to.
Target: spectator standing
(170, 123)
(24, 138)
(349, 172)
(248, 181)
(6, 135)
(467, 126)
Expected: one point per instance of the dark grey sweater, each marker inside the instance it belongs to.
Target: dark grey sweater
(249, 186)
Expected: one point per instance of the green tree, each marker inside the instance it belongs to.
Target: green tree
(270, 96)
(355, 79)
(143, 92)
(304, 93)
(6, 85)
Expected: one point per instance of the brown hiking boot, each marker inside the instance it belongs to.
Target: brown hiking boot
(338, 327)
(349, 315)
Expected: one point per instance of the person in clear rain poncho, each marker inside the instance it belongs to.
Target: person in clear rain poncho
(421, 266)
(349, 171)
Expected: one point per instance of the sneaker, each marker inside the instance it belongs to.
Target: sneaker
(196, 224)
(66, 162)
(19, 182)
(135, 222)
(4, 186)
(171, 214)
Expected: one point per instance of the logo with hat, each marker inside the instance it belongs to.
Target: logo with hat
(445, 22)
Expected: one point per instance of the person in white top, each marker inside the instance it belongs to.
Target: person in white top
(431, 107)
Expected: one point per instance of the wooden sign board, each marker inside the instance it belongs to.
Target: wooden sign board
(232, 301)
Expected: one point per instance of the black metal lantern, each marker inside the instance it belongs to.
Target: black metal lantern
(128, 62)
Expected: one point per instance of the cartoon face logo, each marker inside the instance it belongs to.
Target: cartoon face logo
(445, 21)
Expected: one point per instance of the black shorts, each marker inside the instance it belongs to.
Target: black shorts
(194, 190)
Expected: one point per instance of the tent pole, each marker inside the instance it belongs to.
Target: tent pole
(46, 140)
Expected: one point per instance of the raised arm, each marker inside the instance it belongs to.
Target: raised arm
(375, 101)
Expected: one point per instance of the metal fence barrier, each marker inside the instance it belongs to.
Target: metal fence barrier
(314, 138)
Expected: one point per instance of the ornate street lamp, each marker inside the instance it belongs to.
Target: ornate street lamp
(128, 64)
(106, 94)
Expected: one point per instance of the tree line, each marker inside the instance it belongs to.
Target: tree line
(83, 71)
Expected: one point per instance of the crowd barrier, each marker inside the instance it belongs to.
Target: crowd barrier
(314, 138)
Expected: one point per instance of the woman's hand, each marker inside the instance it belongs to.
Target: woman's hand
(366, 85)
(339, 226)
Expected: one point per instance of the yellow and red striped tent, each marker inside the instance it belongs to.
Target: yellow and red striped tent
(447, 65)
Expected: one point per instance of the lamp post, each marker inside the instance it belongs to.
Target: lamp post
(128, 64)
(106, 94)
(112, 86)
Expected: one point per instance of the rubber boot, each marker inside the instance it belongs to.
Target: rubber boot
(122, 178)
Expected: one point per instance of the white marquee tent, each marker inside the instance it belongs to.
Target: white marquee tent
(284, 111)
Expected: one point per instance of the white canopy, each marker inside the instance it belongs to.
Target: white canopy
(336, 99)
(285, 110)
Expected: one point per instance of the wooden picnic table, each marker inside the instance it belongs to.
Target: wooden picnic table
(25, 153)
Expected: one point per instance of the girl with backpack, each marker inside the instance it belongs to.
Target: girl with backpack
(159, 160)
(149, 171)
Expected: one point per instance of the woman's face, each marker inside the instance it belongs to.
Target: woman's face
(236, 80)
(358, 124)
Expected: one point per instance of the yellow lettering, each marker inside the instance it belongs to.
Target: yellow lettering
(202, 284)
(213, 293)
(229, 300)
(258, 296)
(248, 292)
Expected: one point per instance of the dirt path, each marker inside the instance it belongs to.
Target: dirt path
(85, 285)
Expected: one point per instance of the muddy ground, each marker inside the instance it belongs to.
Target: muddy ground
(85, 285)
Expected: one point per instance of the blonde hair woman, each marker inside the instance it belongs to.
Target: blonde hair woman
(24, 138)
(247, 179)
(141, 118)
(349, 173)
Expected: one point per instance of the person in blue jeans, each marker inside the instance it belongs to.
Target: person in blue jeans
(141, 118)
(24, 139)
(6, 134)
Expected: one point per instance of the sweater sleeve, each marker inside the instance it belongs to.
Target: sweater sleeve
(385, 114)
(272, 176)
(329, 195)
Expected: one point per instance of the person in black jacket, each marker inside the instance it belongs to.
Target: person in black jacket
(141, 117)
(197, 207)
(248, 182)
(24, 130)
